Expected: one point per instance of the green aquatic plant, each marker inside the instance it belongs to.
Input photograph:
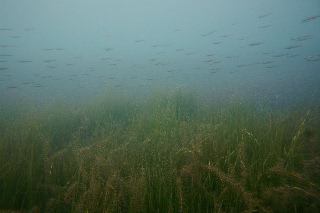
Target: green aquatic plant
(172, 152)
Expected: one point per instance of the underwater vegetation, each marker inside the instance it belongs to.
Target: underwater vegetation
(170, 153)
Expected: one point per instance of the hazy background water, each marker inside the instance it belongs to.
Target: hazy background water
(75, 49)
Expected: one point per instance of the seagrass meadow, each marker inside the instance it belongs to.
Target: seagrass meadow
(173, 152)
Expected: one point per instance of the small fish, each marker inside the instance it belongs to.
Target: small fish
(217, 42)
(4, 68)
(265, 26)
(267, 62)
(105, 59)
(119, 85)
(256, 43)
(264, 15)
(209, 33)
(23, 61)
(279, 55)
(311, 18)
(312, 58)
(291, 47)
(246, 65)
(301, 38)
(292, 56)
(243, 38)
(208, 61)
(269, 67)
(8, 46)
